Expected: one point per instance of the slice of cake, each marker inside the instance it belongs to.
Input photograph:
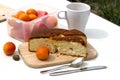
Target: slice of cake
(59, 41)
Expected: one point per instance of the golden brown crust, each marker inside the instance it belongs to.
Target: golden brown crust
(46, 33)
(73, 32)
(60, 34)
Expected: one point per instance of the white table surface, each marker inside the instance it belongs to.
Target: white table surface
(102, 34)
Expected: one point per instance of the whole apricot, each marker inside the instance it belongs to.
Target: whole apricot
(31, 11)
(42, 53)
(32, 16)
(9, 48)
(19, 13)
(24, 17)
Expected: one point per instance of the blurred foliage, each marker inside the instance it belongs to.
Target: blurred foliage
(108, 9)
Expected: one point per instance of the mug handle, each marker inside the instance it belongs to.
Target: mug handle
(62, 17)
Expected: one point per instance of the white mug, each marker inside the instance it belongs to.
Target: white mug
(77, 15)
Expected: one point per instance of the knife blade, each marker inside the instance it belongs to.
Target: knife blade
(77, 70)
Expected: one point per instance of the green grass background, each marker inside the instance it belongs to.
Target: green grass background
(108, 9)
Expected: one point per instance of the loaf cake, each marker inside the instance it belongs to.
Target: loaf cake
(59, 41)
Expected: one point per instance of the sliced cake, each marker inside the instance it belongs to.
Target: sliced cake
(59, 41)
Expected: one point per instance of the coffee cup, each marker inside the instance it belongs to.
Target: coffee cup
(76, 15)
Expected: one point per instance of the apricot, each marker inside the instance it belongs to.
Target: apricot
(9, 48)
(19, 13)
(42, 53)
(51, 21)
(24, 17)
(31, 11)
(32, 16)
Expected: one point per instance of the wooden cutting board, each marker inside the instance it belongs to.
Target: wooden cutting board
(3, 10)
(54, 59)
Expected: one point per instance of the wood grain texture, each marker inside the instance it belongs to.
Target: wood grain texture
(30, 59)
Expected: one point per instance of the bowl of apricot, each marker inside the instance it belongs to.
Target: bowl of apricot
(22, 21)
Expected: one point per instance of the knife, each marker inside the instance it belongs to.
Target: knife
(77, 70)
